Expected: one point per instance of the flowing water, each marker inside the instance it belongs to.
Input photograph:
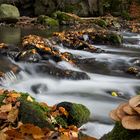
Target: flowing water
(106, 76)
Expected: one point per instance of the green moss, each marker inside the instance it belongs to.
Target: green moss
(78, 113)
(61, 121)
(120, 133)
(2, 98)
(102, 23)
(32, 112)
(115, 38)
(63, 17)
(60, 16)
(47, 21)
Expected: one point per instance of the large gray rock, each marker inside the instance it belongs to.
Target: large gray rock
(9, 13)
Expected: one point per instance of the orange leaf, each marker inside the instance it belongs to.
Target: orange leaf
(14, 95)
(30, 129)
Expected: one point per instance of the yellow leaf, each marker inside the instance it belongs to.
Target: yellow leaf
(114, 94)
(12, 115)
(29, 99)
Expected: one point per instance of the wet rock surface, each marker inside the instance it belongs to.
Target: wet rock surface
(52, 70)
(84, 39)
(10, 65)
(39, 88)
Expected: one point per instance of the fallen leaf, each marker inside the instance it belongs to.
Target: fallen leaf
(6, 108)
(30, 129)
(2, 136)
(1, 91)
(12, 115)
(3, 115)
(29, 99)
(14, 135)
(14, 95)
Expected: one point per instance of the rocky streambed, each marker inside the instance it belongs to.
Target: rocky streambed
(97, 68)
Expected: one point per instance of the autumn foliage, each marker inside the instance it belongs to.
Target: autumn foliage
(16, 124)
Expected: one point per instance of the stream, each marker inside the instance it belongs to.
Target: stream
(105, 77)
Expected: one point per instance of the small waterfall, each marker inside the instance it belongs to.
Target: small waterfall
(94, 93)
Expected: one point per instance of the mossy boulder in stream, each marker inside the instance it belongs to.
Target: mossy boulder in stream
(32, 112)
(78, 113)
(115, 38)
(102, 23)
(47, 21)
(120, 133)
(65, 18)
(9, 13)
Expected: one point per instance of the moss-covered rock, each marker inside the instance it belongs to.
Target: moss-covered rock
(102, 23)
(78, 113)
(9, 13)
(115, 38)
(29, 111)
(120, 133)
(32, 112)
(47, 21)
(61, 121)
(65, 18)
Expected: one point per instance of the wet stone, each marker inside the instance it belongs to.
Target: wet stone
(133, 70)
(28, 56)
(39, 88)
(50, 69)
(136, 62)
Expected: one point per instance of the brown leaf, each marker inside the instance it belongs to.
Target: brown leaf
(2, 136)
(30, 129)
(1, 91)
(14, 134)
(6, 108)
(3, 115)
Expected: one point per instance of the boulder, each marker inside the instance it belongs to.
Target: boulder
(9, 13)
(65, 18)
(52, 70)
(78, 113)
(47, 21)
(29, 111)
